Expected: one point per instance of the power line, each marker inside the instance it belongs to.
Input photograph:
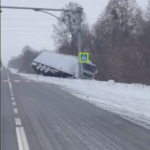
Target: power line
(27, 19)
(20, 33)
(26, 35)
(27, 30)
(33, 19)
(4, 26)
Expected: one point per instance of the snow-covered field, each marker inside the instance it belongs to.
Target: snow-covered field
(130, 101)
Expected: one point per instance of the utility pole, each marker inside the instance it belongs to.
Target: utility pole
(78, 11)
(79, 15)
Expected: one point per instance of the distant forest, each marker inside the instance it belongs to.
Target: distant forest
(118, 42)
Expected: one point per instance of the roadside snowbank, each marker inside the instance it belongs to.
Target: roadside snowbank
(131, 101)
(13, 70)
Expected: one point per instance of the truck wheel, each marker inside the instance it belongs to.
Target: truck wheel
(34, 64)
(46, 71)
(42, 68)
(38, 66)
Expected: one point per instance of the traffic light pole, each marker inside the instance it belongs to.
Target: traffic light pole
(79, 17)
(78, 10)
(34, 8)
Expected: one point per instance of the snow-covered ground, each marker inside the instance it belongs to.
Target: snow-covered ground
(131, 101)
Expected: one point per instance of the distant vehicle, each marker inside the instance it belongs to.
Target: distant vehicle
(62, 65)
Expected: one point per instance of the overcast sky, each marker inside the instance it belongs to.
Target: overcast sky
(22, 27)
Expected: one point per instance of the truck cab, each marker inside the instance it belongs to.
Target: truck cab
(88, 70)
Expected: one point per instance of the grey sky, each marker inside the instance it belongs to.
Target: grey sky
(35, 28)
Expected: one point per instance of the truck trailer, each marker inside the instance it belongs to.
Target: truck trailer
(62, 65)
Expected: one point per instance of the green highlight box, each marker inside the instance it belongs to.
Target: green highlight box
(83, 57)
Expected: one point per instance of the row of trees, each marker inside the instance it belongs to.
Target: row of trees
(24, 60)
(118, 42)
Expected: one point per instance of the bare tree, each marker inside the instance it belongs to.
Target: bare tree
(116, 39)
(64, 31)
(24, 60)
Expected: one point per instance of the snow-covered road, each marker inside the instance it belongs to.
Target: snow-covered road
(131, 101)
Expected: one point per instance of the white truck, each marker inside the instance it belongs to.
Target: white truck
(62, 65)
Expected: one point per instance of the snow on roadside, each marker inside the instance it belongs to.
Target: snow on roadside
(131, 101)
(13, 70)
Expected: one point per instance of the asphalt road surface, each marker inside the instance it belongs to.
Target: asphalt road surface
(39, 116)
